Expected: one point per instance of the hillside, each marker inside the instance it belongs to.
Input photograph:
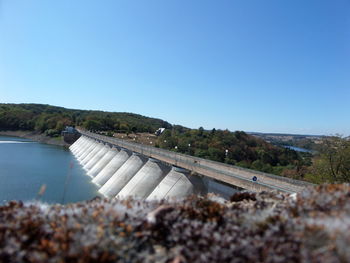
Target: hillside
(52, 120)
(236, 148)
(309, 142)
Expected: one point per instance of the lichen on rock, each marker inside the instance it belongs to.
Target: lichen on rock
(312, 226)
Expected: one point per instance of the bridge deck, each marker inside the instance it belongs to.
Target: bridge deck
(229, 174)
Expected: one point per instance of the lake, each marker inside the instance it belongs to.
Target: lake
(27, 166)
(297, 149)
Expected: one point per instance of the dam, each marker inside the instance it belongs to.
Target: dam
(125, 169)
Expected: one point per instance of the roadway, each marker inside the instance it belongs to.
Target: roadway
(229, 174)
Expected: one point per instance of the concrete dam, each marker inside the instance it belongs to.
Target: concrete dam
(125, 169)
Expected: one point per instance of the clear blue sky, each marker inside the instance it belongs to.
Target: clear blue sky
(253, 65)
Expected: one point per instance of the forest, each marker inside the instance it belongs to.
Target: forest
(51, 120)
(237, 148)
(331, 162)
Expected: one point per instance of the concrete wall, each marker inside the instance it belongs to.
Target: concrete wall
(96, 149)
(106, 173)
(86, 152)
(123, 174)
(97, 157)
(229, 174)
(121, 177)
(78, 150)
(175, 185)
(145, 180)
(145, 172)
(102, 163)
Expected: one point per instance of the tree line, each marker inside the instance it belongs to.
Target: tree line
(331, 163)
(52, 120)
(236, 148)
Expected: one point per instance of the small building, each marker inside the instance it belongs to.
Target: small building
(69, 130)
(70, 134)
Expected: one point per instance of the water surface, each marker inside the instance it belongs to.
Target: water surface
(298, 149)
(25, 166)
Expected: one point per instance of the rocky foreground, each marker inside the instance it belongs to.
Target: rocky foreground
(313, 226)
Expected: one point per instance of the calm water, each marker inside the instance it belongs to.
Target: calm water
(298, 149)
(25, 166)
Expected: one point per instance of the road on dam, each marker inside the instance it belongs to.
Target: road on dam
(229, 174)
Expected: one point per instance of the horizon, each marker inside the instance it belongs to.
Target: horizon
(173, 124)
(272, 67)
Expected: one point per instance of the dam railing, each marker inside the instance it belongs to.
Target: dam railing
(229, 174)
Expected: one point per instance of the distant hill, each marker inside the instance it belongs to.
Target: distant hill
(238, 148)
(309, 142)
(283, 134)
(52, 120)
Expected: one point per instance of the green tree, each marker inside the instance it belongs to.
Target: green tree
(333, 162)
(92, 125)
(200, 131)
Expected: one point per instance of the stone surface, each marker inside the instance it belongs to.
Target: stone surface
(310, 226)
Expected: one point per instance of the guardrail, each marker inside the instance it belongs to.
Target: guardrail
(229, 174)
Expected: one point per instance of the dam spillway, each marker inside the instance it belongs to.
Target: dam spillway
(113, 166)
(144, 181)
(122, 173)
(126, 169)
(174, 185)
(121, 177)
(103, 162)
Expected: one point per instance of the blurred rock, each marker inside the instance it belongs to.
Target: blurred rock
(311, 226)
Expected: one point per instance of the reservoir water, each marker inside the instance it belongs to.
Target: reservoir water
(27, 166)
(297, 149)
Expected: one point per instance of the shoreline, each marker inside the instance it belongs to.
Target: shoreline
(36, 136)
